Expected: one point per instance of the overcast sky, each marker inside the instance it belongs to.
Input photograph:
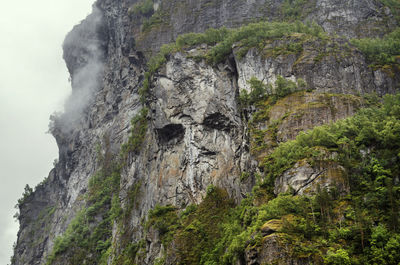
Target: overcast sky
(33, 84)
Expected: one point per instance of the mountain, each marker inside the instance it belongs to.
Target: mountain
(224, 132)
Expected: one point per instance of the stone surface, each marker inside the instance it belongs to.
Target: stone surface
(302, 178)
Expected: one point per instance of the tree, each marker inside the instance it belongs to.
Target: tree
(27, 192)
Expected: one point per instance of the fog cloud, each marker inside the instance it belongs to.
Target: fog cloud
(84, 53)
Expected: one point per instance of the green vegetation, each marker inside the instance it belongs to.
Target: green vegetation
(137, 133)
(125, 251)
(261, 92)
(144, 8)
(371, 126)
(394, 6)
(382, 53)
(195, 231)
(150, 18)
(27, 192)
(246, 37)
(262, 97)
(43, 224)
(164, 219)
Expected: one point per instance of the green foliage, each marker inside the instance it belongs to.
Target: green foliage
(375, 195)
(128, 254)
(238, 228)
(246, 37)
(284, 87)
(194, 232)
(359, 228)
(210, 36)
(258, 90)
(161, 58)
(25, 195)
(144, 8)
(372, 126)
(381, 52)
(132, 198)
(137, 133)
(261, 91)
(256, 35)
(394, 6)
(337, 257)
(165, 220)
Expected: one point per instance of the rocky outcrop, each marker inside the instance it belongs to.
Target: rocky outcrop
(196, 135)
(305, 179)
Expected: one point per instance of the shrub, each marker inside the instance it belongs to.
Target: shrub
(27, 192)
(337, 257)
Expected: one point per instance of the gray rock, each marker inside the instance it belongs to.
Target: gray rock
(302, 178)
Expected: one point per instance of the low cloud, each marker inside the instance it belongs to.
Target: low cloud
(84, 53)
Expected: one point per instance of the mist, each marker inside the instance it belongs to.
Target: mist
(84, 53)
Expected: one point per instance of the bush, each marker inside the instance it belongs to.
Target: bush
(25, 195)
(337, 257)
(284, 87)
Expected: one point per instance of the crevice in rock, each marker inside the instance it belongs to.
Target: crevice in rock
(171, 132)
(310, 180)
(207, 152)
(217, 121)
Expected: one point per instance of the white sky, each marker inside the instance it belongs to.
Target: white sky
(33, 84)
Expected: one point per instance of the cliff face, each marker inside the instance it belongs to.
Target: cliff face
(196, 134)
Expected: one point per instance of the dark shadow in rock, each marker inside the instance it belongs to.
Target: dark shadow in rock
(217, 121)
(171, 132)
